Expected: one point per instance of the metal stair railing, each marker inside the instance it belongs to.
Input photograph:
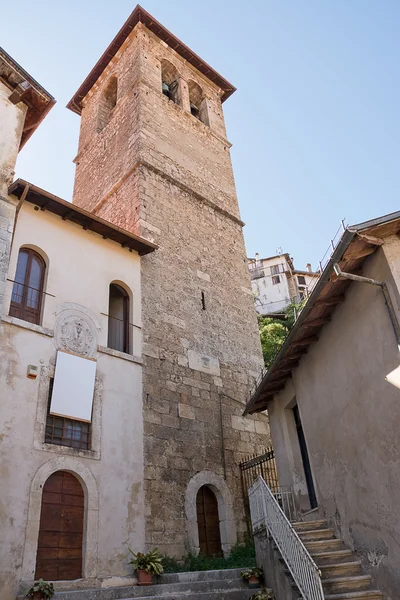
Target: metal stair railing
(265, 510)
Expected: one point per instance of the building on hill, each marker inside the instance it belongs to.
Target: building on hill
(276, 283)
(117, 347)
(333, 400)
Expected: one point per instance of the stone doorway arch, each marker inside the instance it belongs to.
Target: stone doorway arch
(59, 552)
(91, 514)
(227, 524)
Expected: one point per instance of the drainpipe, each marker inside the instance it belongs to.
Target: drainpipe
(386, 295)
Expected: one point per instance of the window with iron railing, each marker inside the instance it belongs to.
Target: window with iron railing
(119, 330)
(27, 293)
(62, 431)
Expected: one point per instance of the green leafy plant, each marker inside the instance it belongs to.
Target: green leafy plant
(273, 331)
(241, 555)
(254, 572)
(265, 594)
(45, 589)
(150, 562)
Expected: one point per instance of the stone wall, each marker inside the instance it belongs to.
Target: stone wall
(275, 571)
(157, 170)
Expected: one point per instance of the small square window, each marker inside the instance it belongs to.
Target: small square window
(275, 269)
(276, 279)
(66, 432)
(301, 280)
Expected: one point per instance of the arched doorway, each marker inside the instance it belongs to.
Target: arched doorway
(59, 552)
(208, 522)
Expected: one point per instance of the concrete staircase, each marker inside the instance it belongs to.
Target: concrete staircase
(200, 585)
(341, 574)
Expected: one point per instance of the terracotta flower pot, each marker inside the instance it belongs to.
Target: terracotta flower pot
(144, 577)
(37, 596)
(254, 582)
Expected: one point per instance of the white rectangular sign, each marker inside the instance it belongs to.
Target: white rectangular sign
(73, 387)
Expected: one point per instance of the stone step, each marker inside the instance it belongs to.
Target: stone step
(316, 534)
(323, 545)
(346, 584)
(239, 594)
(340, 569)
(161, 590)
(202, 575)
(329, 557)
(306, 525)
(365, 595)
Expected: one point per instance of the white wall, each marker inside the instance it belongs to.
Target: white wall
(12, 118)
(271, 298)
(80, 267)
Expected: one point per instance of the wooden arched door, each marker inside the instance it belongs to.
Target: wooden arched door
(59, 554)
(208, 522)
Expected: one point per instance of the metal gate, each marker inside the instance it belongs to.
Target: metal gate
(253, 467)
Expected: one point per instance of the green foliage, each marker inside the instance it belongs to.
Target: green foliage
(241, 555)
(265, 594)
(45, 588)
(151, 562)
(254, 572)
(292, 312)
(273, 332)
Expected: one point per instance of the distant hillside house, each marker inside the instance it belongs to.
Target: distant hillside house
(276, 283)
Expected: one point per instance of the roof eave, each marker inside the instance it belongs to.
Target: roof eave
(340, 249)
(117, 234)
(139, 15)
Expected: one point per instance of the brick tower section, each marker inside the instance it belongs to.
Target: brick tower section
(148, 165)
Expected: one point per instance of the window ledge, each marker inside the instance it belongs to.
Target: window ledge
(67, 450)
(118, 354)
(27, 325)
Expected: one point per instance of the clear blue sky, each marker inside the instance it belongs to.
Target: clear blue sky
(314, 124)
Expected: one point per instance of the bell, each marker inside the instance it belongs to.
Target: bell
(165, 88)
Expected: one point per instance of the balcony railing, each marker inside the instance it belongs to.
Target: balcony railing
(26, 302)
(120, 334)
(267, 512)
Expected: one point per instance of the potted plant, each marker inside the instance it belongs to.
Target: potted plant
(252, 576)
(41, 590)
(146, 565)
(265, 594)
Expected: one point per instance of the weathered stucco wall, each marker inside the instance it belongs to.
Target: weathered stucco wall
(80, 266)
(156, 169)
(12, 118)
(350, 417)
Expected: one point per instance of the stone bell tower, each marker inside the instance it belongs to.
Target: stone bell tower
(154, 159)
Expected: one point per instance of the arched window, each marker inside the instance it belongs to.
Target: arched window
(118, 319)
(198, 104)
(27, 294)
(108, 100)
(170, 81)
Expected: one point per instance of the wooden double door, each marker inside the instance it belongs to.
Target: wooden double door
(59, 553)
(208, 522)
